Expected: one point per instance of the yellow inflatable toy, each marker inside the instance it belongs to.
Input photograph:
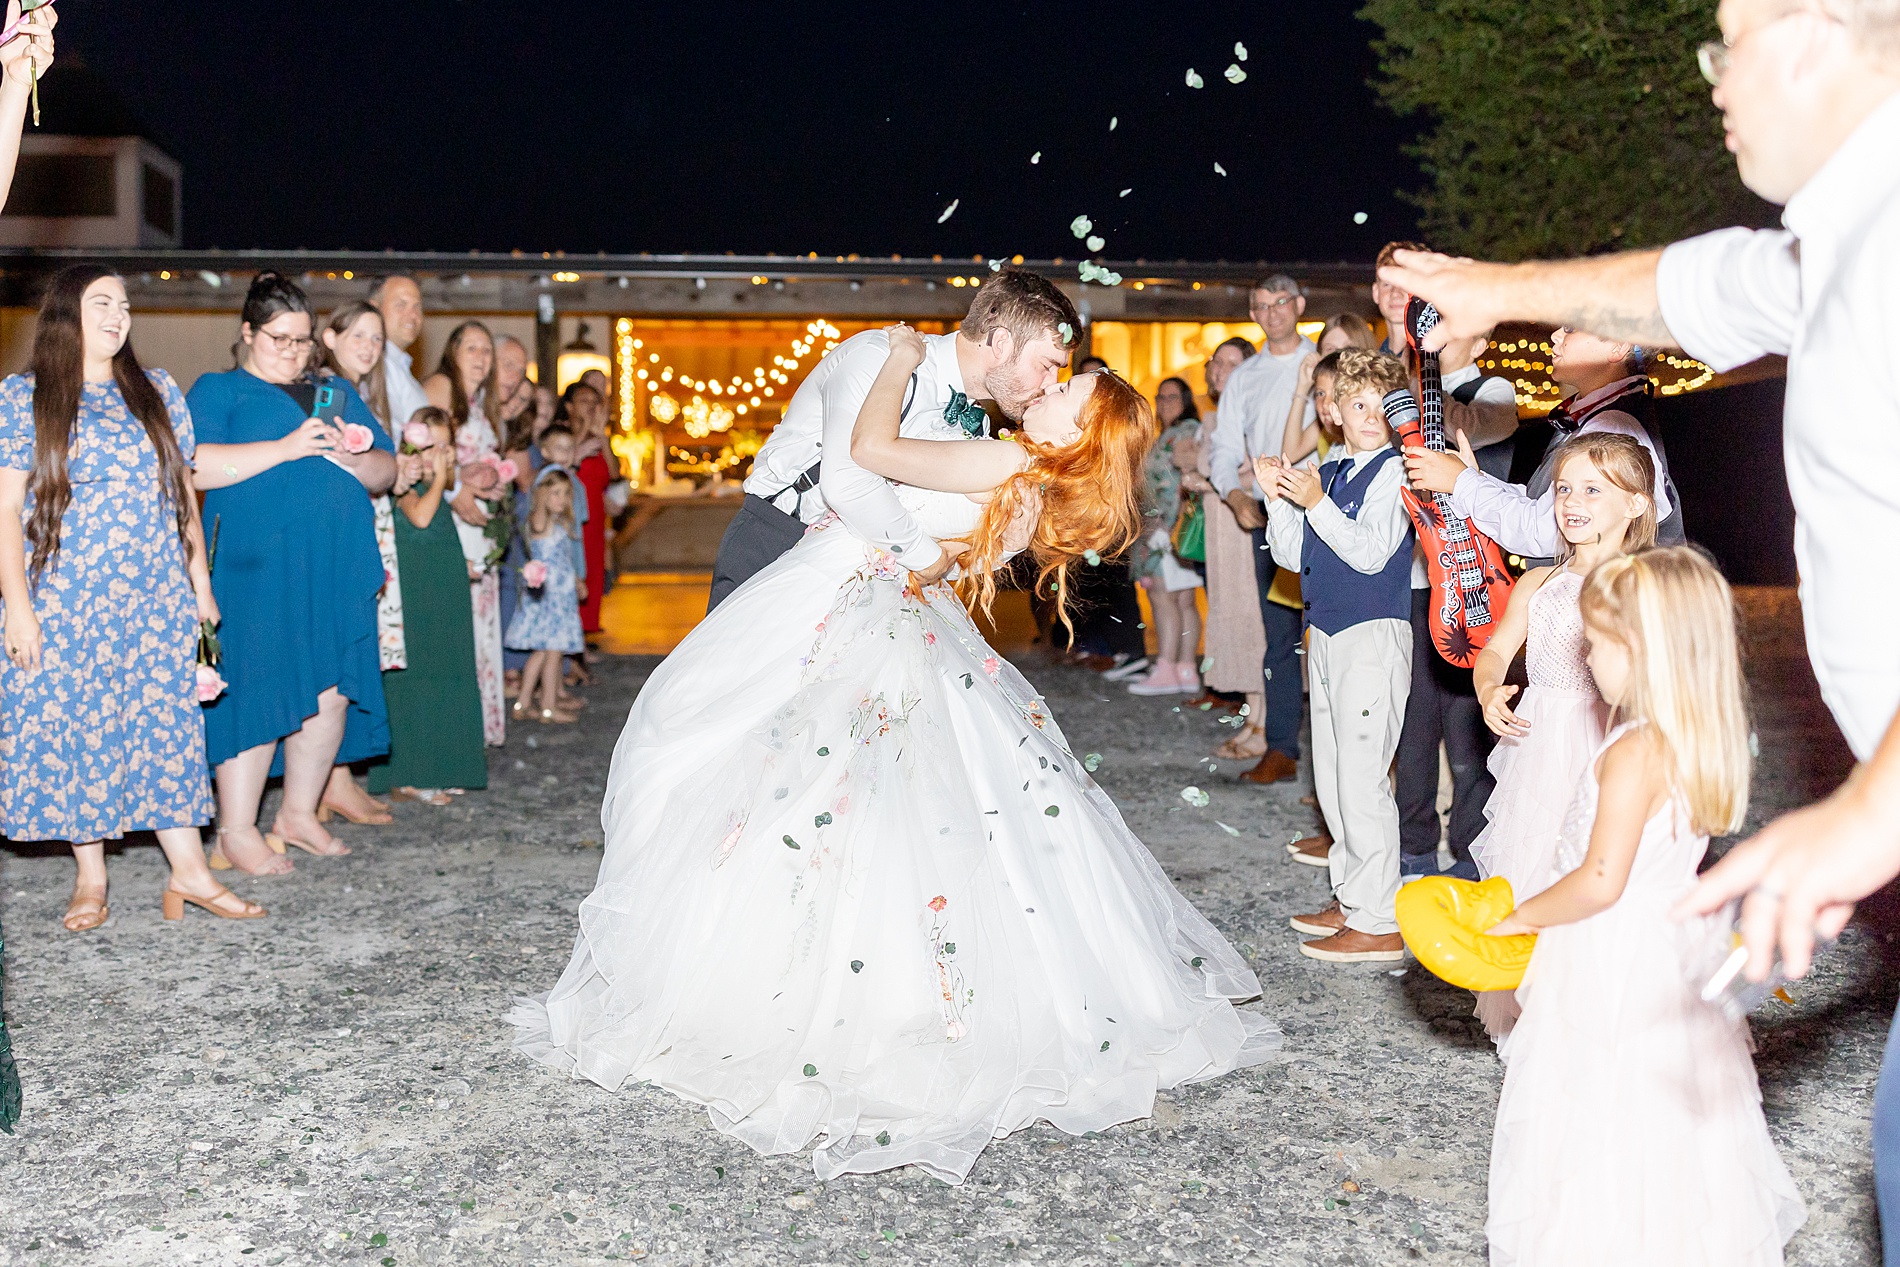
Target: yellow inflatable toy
(1443, 921)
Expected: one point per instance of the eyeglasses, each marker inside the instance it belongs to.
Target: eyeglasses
(1276, 304)
(1712, 57)
(288, 342)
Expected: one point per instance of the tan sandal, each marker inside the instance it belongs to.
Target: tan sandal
(86, 913)
(174, 904)
(555, 717)
(219, 862)
(1250, 744)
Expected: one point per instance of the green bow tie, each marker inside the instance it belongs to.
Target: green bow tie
(966, 413)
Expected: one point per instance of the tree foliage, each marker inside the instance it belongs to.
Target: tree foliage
(1559, 127)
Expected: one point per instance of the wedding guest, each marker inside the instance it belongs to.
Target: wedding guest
(587, 414)
(296, 577)
(1235, 642)
(1171, 584)
(351, 346)
(1252, 424)
(548, 623)
(398, 297)
(1442, 714)
(435, 703)
(102, 569)
(23, 58)
(464, 385)
(515, 390)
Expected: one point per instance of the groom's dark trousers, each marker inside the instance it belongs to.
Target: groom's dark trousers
(755, 539)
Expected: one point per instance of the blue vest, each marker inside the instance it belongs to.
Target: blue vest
(1337, 595)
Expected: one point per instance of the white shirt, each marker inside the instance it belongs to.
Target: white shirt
(1253, 410)
(1510, 516)
(1364, 544)
(1821, 293)
(405, 393)
(819, 419)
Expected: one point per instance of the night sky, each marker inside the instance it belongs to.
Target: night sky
(710, 127)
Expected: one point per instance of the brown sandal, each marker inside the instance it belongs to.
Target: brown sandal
(1247, 744)
(85, 913)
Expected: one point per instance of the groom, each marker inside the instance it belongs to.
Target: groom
(1008, 351)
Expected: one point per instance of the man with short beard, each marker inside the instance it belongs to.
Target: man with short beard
(1010, 349)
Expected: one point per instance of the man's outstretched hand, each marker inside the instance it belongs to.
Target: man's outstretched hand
(1465, 292)
(1800, 876)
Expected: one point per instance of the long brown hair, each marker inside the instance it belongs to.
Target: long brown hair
(1085, 497)
(459, 404)
(59, 371)
(372, 387)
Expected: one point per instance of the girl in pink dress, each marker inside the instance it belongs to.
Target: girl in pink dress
(1630, 1128)
(1604, 508)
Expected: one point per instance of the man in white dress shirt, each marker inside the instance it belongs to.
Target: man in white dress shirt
(1252, 423)
(1810, 97)
(1010, 349)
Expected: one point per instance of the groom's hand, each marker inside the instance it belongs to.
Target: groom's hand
(953, 552)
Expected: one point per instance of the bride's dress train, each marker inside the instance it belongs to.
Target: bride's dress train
(859, 897)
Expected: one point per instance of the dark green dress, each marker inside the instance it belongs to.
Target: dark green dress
(435, 705)
(9, 1076)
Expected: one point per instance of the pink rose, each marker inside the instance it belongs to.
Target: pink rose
(210, 685)
(357, 438)
(416, 437)
(507, 470)
(534, 574)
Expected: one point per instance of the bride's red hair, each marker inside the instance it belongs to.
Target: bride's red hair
(1083, 497)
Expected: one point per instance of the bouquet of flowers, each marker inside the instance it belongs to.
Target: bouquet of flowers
(500, 529)
(210, 684)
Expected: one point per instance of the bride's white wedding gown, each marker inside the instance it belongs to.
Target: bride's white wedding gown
(859, 897)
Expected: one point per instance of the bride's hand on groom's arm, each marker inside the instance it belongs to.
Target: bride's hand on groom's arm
(907, 346)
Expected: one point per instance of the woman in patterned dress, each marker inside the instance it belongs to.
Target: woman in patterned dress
(464, 384)
(1170, 582)
(103, 572)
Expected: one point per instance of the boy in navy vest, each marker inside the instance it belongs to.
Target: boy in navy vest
(1348, 527)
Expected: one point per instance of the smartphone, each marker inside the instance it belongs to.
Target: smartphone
(26, 7)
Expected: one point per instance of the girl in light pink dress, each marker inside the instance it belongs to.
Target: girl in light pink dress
(1630, 1129)
(1603, 508)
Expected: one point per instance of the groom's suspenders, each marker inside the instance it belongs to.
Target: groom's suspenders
(809, 480)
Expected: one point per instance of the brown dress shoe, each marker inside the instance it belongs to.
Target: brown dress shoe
(1275, 767)
(1349, 945)
(1320, 923)
(1314, 851)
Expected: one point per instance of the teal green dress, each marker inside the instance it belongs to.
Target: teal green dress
(435, 705)
(9, 1075)
(296, 577)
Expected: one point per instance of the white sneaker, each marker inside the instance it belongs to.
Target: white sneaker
(1127, 669)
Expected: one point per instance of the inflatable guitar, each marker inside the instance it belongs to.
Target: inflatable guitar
(1466, 568)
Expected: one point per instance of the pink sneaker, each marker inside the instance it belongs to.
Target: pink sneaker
(1163, 679)
(1187, 681)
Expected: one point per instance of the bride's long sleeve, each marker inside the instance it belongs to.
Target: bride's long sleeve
(866, 502)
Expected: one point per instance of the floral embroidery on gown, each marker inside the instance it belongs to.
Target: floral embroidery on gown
(860, 899)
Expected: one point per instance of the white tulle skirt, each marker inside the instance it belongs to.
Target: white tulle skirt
(858, 897)
(1536, 776)
(1630, 1129)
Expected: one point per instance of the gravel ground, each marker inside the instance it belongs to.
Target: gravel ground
(334, 1084)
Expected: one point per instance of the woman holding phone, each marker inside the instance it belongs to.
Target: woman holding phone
(296, 575)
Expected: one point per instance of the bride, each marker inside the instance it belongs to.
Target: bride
(858, 895)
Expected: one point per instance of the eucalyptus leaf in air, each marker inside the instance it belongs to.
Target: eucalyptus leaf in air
(1234, 74)
(1240, 50)
(1096, 242)
(949, 210)
(1080, 226)
(1194, 79)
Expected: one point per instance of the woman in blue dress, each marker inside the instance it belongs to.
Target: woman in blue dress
(296, 574)
(102, 571)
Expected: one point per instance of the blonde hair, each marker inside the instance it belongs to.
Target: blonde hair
(1626, 464)
(1358, 333)
(1362, 370)
(1085, 497)
(537, 504)
(1673, 611)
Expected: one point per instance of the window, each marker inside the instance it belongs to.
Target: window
(64, 185)
(161, 201)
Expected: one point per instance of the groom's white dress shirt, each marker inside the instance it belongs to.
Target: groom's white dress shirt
(819, 420)
(1820, 292)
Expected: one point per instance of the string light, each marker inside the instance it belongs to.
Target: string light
(819, 339)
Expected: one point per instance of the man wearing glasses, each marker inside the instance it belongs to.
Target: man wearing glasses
(1252, 423)
(1810, 100)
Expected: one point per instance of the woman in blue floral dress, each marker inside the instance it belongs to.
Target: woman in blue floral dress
(103, 576)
